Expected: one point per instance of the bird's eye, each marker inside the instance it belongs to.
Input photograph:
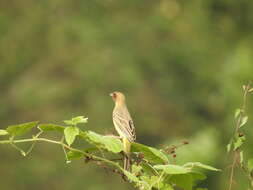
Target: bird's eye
(114, 95)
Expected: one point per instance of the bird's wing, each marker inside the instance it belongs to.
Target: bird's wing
(125, 124)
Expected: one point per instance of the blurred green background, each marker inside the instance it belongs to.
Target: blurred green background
(180, 63)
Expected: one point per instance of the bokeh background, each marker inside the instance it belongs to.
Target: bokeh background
(180, 63)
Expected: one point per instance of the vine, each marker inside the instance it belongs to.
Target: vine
(151, 167)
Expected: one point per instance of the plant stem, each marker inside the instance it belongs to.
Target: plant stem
(237, 127)
(232, 171)
(65, 146)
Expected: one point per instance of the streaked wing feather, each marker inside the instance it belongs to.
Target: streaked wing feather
(132, 128)
(125, 125)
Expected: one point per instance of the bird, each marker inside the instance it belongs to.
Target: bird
(124, 125)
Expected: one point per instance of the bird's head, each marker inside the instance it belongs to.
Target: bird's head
(118, 97)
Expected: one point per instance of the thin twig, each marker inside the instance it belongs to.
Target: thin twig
(65, 146)
(65, 153)
(159, 179)
(237, 127)
(232, 171)
(33, 144)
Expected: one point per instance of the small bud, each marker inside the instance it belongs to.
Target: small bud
(23, 153)
(185, 142)
(141, 155)
(174, 155)
(240, 134)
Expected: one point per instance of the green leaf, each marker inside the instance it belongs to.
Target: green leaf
(182, 180)
(17, 130)
(187, 181)
(136, 169)
(155, 182)
(91, 149)
(151, 154)
(198, 176)
(166, 186)
(70, 134)
(244, 121)
(172, 169)
(250, 164)
(200, 165)
(80, 119)
(107, 142)
(3, 132)
(148, 168)
(239, 142)
(237, 112)
(75, 155)
(51, 127)
(152, 181)
(76, 120)
(250, 90)
(201, 189)
(79, 155)
(131, 177)
(68, 122)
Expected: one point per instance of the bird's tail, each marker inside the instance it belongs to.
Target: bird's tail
(127, 151)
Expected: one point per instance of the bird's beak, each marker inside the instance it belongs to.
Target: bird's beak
(111, 94)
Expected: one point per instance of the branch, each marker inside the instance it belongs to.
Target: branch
(65, 146)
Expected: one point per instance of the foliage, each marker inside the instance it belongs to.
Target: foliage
(238, 140)
(151, 168)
